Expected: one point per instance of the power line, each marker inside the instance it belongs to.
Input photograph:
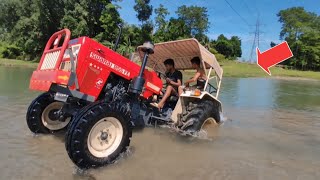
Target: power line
(246, 4)
(237, 13)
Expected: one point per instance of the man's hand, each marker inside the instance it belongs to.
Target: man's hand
(186, 84)
(169, 81)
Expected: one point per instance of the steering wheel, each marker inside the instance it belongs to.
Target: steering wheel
(161, 75)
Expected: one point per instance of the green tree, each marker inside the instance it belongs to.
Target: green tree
(160, 23)
(230, 48)
(26, 30)
(272, 44)
(143, 9)
(82, 17)
(196, 20)
(132, 35)
(301, 29)
(224, 47)
(109, 19)
(236, 46)
(176, 29)
(9, 15)
(160, 19)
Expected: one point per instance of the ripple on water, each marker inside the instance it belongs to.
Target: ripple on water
(272, 132)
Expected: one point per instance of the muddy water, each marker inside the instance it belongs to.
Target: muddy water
(272, 132)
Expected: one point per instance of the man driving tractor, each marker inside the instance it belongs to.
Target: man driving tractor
(174, 81)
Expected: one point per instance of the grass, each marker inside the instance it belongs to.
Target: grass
(236, 69)
(18, 63)
(230, 69)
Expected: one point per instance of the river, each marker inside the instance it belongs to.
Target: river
(272, 131)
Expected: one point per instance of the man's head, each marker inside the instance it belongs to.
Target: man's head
(169, 63)
(195, 62)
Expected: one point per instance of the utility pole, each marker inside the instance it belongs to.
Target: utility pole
(256, 40)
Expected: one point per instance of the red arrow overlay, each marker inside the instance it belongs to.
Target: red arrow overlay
(273, 56)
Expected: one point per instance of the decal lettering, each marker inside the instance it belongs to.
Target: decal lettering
(152, 86)
(99, 83)
(109, 64)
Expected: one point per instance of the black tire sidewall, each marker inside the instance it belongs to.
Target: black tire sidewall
(76, 141)
(200, 114)
(34, 113)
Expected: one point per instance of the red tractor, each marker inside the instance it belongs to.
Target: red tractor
(99, 96)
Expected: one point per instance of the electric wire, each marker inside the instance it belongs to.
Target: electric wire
(244, 20)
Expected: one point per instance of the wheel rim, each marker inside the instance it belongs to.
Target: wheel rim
(50, 122)
(207, 128)
(105, 137)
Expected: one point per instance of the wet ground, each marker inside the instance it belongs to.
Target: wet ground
(272, 132)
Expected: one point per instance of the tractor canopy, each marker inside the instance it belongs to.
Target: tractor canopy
(182, 51)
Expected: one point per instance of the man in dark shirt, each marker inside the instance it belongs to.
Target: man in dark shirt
(174, 80)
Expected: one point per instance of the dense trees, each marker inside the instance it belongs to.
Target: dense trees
(26, 25)
(230, 48)
(301, 29)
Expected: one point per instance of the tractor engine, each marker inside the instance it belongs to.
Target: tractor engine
(81, 68)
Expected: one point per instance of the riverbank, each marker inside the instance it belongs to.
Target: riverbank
(230, 69)
(237, 69)
(18, 63)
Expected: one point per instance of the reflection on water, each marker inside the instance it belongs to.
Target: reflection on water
(271, 93)
(273, 133)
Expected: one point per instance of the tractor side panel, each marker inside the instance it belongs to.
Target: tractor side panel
(100, 61)
(93, 64)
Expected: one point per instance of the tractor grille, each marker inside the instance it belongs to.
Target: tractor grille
(65, 66)
(50, 60)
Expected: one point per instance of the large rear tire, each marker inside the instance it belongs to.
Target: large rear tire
(40, 118)
(99, 134)
(206, 112)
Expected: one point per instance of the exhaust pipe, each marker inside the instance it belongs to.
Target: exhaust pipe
(138, 82)
(118, 38)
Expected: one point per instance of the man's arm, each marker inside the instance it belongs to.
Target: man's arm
(177, 84)
(195, 77)
(179, 80)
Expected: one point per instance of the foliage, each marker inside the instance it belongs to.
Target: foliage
(10, 52)
(143, 9)
(26, 25)
(272, 44)
(230, 48)
(110, 20)
(195, 18)
(160, 23)
(176, 29)
(301, 29)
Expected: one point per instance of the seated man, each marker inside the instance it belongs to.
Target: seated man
(174, 80)
(200, 76)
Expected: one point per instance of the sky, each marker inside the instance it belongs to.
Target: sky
(224, 20)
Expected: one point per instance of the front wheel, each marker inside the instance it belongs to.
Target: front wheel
(99, 134)
(41, 115)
